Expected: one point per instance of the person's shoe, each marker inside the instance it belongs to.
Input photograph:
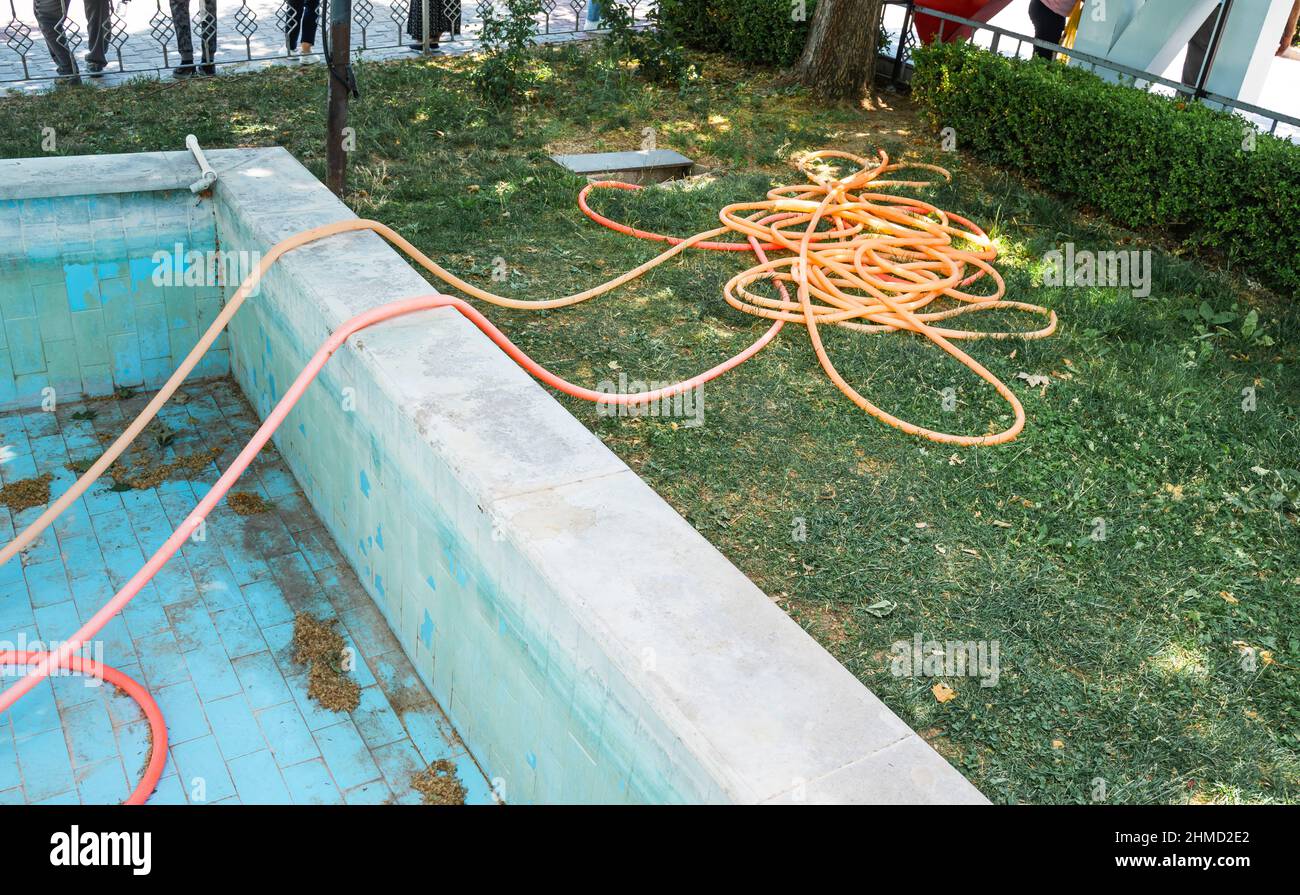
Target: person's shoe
(68, 77)
(433, 47)
(95, 69)
(185, 70)
(208, 69)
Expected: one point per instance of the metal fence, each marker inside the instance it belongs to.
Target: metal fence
(1000, 38)
(123, 38)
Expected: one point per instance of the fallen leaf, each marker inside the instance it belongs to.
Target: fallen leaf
(943, 693)
(881, 608)
(1058, 744)
(1034, 380)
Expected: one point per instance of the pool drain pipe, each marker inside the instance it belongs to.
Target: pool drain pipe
(209, 176)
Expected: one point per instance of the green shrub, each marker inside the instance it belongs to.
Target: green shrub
(1145, 160)
(505, 71)
(762, 32)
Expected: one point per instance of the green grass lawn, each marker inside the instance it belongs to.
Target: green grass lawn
(1162, 659)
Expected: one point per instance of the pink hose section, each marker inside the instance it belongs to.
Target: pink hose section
(40, 664)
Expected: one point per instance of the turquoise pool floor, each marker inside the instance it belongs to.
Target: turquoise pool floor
(209, 637)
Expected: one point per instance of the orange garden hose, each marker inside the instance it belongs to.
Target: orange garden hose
(876, 265)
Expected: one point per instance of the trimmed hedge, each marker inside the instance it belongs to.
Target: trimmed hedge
(761, 32)
(1143, 159)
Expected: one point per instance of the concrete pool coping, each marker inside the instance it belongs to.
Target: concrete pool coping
(744, 694)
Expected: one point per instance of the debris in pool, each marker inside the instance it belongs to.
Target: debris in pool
(247, 503)
(152, 477)
(22, 495)
(439, 784)
(86, 414)
(317, 644)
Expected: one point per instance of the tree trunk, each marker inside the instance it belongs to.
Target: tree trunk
(839, 59)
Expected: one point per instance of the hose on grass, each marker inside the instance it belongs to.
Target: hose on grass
(866, 261)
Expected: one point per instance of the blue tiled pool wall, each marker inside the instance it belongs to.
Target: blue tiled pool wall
(533, 696)
(79, 308)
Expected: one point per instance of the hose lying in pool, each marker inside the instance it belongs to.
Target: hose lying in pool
(899, 251)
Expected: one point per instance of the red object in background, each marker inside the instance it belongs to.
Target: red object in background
(928, 26)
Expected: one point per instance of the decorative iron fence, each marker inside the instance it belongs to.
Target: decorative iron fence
(124, 38)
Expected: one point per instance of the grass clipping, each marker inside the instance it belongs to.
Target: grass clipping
(28, 493)
(318, 645)
(438, 784)
(247, 503)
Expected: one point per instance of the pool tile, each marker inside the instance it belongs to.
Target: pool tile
(184, 713)
(89, 731)
(373, 793)
(262, 682)
(160, 659)
(104, 783)
(376, 720)
(346, 755)
(203, 771)
(258, 781)
(310, 783)
(399, 762)
(267, 603)
(213, 675)
(239, 632)
(288, 735)
(234, 726)
(37, 712)
(45, 764)
(192, 625)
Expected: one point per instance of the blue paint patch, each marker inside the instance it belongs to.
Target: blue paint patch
(82, 286)
(361, 545)
(532, 760)
(426, 630)
(365, 484)
(379, 537)
(302, 428)
(432, 585)
(142, 270)
(275, 392)
(379, 585)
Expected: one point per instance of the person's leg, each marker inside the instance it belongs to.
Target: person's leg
(98, 18)
(181, 25)
(49, 16)
(1047, 26)
(310, 22)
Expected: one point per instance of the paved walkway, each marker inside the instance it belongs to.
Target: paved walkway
(209, 637)
(246, 30)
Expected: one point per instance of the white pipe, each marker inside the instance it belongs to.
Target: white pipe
(209, 176)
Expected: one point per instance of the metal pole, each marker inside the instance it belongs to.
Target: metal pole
(340, 81)
(1212, 51)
